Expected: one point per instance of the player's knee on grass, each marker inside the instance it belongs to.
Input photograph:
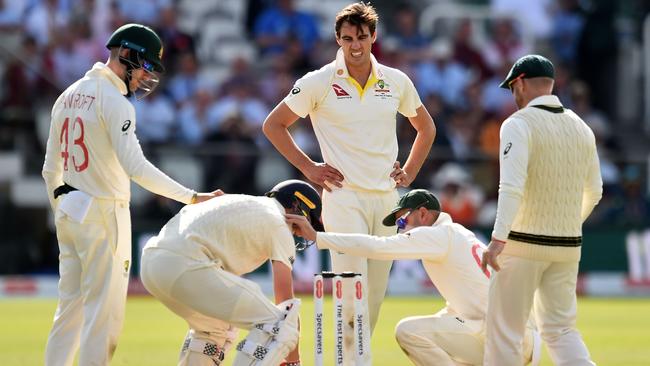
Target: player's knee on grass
(268, 344)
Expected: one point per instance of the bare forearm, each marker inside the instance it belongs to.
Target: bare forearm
(294, 355)
(285, 144)
(420, 150)
(283, 290)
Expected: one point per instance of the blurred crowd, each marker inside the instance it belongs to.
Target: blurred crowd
(217, 119)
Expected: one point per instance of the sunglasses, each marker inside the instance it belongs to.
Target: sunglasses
(402, 220)
(515, 79)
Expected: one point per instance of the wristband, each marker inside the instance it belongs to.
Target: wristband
(194, 197)
(497, 240)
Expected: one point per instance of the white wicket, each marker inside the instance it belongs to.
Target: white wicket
(319, 289)
(339, 282)
(359, 339)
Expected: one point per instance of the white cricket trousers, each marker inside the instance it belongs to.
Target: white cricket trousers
(94, 264)
(347, 211)
(447, 339)
(548, 287)
(213, 302)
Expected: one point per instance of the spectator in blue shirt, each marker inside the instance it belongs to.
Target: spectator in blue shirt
(280, 24)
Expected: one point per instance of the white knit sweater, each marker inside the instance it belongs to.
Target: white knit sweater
(550, 181)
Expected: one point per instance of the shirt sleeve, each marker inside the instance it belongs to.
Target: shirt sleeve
(120, 121)
(53, 166)
(283, 248)
(513, 163)
(429, 243)
(593, 189)
(410, 100)
(304, 95)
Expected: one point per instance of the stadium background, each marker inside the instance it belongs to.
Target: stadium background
(229, 62)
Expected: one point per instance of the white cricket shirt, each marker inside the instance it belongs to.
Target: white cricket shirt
(450, 254)
(355, 126)
(92, 144)
(238, 231)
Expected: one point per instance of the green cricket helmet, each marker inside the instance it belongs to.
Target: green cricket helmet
(141, 39)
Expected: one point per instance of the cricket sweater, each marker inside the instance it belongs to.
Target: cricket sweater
(549, 181)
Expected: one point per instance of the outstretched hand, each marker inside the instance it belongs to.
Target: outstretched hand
(300, 226)
(201, 197)
(324, 175)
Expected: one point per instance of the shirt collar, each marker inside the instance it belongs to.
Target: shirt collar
(342, 69)
(550, 100)
(101, 69)
(443, 218)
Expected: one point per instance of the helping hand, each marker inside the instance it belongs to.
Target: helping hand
(201, 197)
(300, 226)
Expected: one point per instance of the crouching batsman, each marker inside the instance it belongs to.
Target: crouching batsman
(194, 267)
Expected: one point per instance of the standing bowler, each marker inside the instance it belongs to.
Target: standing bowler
(352, 103)
(550, 182)
(92, 154)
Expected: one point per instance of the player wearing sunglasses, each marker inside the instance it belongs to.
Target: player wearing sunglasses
(450, 254)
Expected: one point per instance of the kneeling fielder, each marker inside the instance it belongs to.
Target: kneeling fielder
(194, 266)
(451, 256)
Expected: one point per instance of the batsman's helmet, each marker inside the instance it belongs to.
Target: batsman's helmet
(141, 39)
(302, 195)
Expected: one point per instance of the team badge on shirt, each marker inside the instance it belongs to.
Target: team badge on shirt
(382, 89)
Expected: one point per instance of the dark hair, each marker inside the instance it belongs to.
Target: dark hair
(357, 14)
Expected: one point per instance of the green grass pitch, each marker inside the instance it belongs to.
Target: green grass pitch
(617, 331)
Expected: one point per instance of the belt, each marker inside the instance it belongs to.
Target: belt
(65, 188)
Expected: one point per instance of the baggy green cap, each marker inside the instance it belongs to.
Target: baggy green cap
(413, 199)
(529, 66)
(141, 39)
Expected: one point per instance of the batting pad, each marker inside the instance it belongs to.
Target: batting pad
(201, 352)
(268, 344)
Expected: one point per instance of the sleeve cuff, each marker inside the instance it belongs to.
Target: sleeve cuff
(499, 236)
(189, 197)
(321, 240)
(295, 110)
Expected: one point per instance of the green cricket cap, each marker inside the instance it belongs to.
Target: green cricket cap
(414, 199)
(529, 66)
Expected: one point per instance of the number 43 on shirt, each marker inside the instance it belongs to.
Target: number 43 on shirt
(78, 144)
